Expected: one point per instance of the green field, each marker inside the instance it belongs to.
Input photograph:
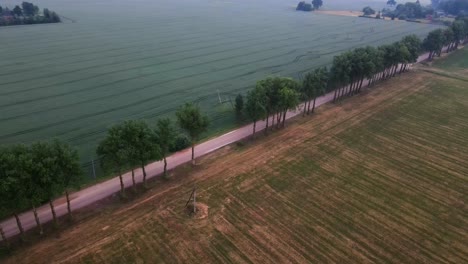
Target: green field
(117, 60)
(454, 61)
(377, 178)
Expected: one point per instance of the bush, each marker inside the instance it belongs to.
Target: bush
(402, 17)
(181, 142)
(239, 104)
(303, 6)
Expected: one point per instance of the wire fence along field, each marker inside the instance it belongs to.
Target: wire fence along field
(74, 80)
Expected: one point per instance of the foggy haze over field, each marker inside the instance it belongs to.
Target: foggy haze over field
(131, 6)
(112, 60)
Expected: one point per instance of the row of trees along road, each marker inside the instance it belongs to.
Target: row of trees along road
(273, 97)
(449, 37)
(32, 175)
(35, 174)
(134, 144)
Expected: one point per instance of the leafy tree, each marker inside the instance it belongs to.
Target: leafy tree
(340, 73)
(403, 56)
(46, 13)
(368, 11)
(29, 181)
(413, 44)
(113, 154)
(300, 6)
(434, 42)
(460, 29)
(391, 2)
(12, 175)
(54, 18)
(288, 98)
(29, 9)
(193, 122)
(17, 11)
(239, 105)
(314, 85)
(454, 7)
(271, 87)
(449, 38)
(46, 169)
(255, 106)
(4, 195)
(303, 6)
(166, 136)
(317, 4)
(140, 144)
(68, 167)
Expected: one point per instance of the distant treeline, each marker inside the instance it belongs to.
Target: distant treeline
(314, 5)
(414, 10)
(26, 14)
(409, 10)
(454, 7)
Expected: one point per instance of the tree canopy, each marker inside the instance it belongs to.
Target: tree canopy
(368, 11)
(27, 13)
(193, 122)
(317, 4)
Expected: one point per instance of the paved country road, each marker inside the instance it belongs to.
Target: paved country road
(105, 189)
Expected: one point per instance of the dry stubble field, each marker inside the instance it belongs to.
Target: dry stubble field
(378, 178)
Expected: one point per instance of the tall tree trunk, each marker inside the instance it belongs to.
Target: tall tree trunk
(313, 107)
(334, 96)
(340, 93)
(360, 84)
(133, 180)
(350, 88)
(284, 117)
(254, 127)
(267, 121)
(4, 238)
(193, 153)
(38, 222)
(273, 121)
(144, 170)
(52, 209)
(395, 68)
(305, 108)
(165, 166)
(122, 186)
(67, 195)
(20, 226)
(278, 120)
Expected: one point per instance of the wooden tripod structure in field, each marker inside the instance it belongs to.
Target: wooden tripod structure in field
(193, 199)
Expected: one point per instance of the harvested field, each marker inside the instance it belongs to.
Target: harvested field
(379, 178)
